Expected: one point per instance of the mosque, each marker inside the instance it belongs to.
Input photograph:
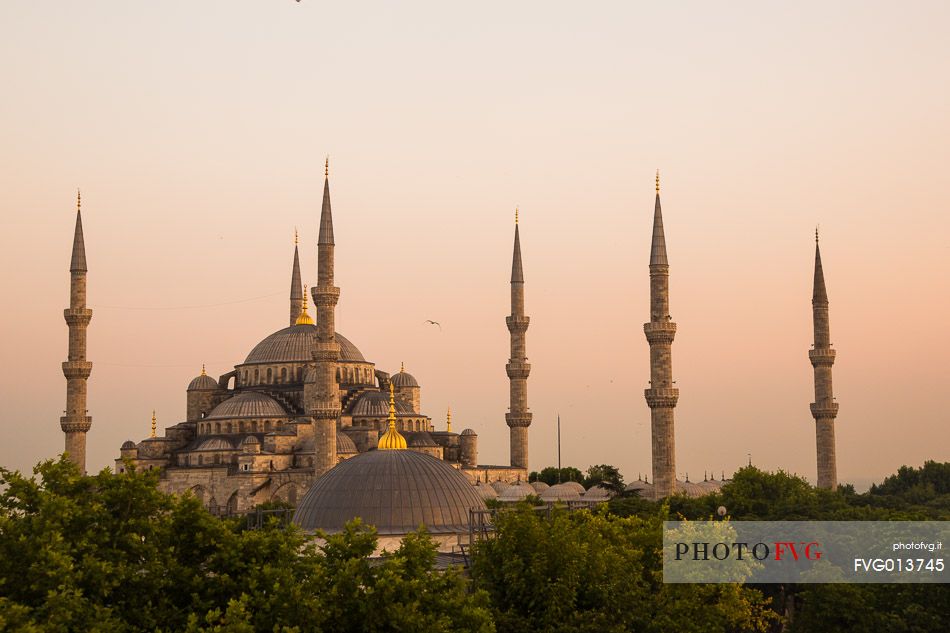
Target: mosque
(307, 414)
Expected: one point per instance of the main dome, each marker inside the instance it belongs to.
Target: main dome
(395, 491)
(294, 344)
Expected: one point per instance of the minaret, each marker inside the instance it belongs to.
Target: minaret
(662, 395)
(824, 408)
(296, 294)
(76, 422)
(518, 417)
(324, 404)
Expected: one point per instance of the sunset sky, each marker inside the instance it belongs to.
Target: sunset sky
(197, 132)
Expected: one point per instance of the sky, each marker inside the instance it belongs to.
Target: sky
(197, 133)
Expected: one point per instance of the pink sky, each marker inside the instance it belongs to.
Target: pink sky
(197, 132)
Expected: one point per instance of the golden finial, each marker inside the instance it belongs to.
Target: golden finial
(392, 440)
(658, 182)
(326, 167)
(816, 233)
(516, 215)
(153, 422)
(78, 199)
(402, 368)
(203, 373)
(295, 236)
(448, 420)
(303, 318)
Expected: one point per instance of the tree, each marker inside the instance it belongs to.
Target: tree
(591, 571)
(549, 475)
(112, 553)
(606, 476)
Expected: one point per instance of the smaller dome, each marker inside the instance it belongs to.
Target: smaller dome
(404, 379)
(516, 492)
(345, 445)
(376, 404)
(598, 493)
(204, 382)
(640, 486)
(216, 444)
(561, 492)
(250, 439)
(249, 404)
(127, 444)
(689, 488)
(469, 432)
(499, 486)
(422, 439)
(539, 486)
(576, 486)
(485, 491)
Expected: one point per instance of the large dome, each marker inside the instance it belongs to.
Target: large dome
(376, 404)
(395, 491)
(294, 344)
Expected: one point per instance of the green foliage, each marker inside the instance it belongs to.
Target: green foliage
(584, 571)
(605, 475)
(549, 475)
(112, 553)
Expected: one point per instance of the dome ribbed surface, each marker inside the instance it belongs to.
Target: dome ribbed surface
(203, 382)
(575, 485)
(216, 444)
(395, 491)
(127, 444)
(376, 404)
(249, 404)
(421, 439)
(295, 344)
(560, 492)
(467, 432)
(539, 486)
(344, 444)
(404, 379)
(516, 492)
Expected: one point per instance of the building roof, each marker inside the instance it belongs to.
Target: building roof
(127, 444)
(421, 439)
(376, 404)
(204, 382)
(249, 404)
(575, 485)
(295, 344)
(395, 491)
(539, 486)
(345, 444)
(216, 444)
(467, 432)
(560, 492)
(516, 492)
(402, 378)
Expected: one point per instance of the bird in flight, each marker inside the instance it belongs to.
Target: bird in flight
(431, 322)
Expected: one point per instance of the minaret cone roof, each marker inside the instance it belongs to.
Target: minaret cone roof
(78, 262)
(296, 289)
(819, 293)
(326, 216)
(517, 272)
(658, 247)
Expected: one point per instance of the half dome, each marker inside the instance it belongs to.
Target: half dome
(249, 404)
(395, 491)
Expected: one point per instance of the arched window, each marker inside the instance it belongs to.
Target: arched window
(241, 426)
(269, 374)
(217, 459)
(229, 427)
(267, 426)
(217, 427)
(257, 375)
(201, 460)
(254, 426)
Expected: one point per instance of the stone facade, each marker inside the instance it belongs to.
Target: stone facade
(824, 409)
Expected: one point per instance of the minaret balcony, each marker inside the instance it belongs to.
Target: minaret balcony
(324, 413)
(658, 398)
(517, 323)
(824, 410)
(75, 423)
(518, 419)
(659, 331)
(518, 370)
(325, 296)
(77, 316)
(822, 357)
(77, 369)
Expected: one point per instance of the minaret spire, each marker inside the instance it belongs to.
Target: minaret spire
(76, 422)
(296, 291)
(662, 396)
(824, 409)
(518, 417)
(322, 393)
